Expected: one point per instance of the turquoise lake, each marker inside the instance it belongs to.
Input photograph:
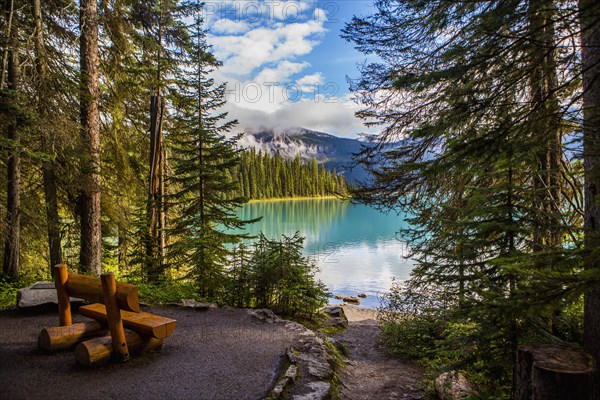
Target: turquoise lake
(356, 247)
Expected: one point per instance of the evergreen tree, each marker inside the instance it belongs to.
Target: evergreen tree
(201, 157)
(473, 108)
(275, 177)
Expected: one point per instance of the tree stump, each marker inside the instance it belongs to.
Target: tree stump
(546, 372)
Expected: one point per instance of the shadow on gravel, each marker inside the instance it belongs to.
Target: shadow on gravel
(217, 354)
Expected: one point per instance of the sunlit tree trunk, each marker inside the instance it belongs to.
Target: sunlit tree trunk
(90, 258)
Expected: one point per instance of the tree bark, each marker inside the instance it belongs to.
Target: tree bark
(10, 265)
(546, 372)
(47, 139)
(155, 210)
(546, 119)
(590, 57)
(90, 257)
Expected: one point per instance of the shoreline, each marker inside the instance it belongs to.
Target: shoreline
(273, 199)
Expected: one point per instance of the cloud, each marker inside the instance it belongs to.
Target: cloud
(262, 42)
(310, 83)
(335, 116)
(243, 54)
(281, 72)
(228, 26)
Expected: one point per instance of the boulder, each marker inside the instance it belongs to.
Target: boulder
(339, 296)
(454, 386)
(351, 300)
(39, 294)
(337, 317)
(264, 315)
(196, 305)
(334, 311)
(362, 295)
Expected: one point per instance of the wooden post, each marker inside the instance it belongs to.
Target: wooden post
(61, 276)
(115, 323)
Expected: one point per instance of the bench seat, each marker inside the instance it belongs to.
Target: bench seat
(141, 322)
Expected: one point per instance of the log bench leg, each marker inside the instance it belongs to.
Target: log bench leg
(99, 351)
(65, 337)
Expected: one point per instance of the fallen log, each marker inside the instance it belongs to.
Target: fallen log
(99, 351)
(65, 337)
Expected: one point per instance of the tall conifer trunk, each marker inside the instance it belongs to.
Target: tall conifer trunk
(590, 57)
(90, 258)
(545, 116)
(10, 265)
(155, 243)
(47, 138)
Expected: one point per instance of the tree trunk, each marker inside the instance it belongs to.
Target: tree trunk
(546, 372)
(155, 215)
(90, 257)
(47, 138)
(545, 121)
(10, 265)
(590, 56)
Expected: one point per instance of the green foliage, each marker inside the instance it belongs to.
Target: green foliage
(275, 275)
(167, 292)
(10, 286)
(472, 146)
(265, 176)
(203, 199)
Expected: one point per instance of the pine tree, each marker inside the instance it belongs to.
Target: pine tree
(201, 156)
(472, 108)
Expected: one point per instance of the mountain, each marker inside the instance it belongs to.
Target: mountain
(331, 151)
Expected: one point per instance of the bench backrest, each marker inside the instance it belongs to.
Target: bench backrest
(90, 288)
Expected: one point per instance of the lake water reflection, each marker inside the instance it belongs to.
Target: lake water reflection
(356, 247)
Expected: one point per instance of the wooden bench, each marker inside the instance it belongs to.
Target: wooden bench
(117, 307)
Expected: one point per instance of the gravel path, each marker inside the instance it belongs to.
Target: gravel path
(218, 354)
(371, 372)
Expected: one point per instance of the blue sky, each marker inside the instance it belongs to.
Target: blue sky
(285, 62)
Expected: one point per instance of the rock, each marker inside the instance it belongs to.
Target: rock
(38, 294)
(277, 391)
(290, 355)
(352, 300)
(339, 296)
(454, 386)
(337, 317)
(334, 311)
(318, 391)
(314, 358)
(189, 303)
(292, 372)
(264, 315)
(362, 295)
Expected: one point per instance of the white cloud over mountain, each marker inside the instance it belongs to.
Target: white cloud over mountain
(262, 44)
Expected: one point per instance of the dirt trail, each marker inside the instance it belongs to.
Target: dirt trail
(371, 372)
